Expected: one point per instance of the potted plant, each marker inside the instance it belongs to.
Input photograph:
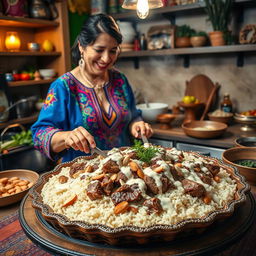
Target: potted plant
(183, 34)
(198, 39)
(219, 13)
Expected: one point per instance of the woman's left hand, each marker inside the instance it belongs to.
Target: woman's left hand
(140, 127)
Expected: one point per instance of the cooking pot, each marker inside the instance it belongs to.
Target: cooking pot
(23, 157)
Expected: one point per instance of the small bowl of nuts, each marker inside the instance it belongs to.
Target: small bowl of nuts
(14, 185)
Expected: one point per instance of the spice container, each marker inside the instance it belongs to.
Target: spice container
(143, 42)
(226, 104)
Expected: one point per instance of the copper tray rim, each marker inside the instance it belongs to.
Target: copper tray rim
(137, 232)
(245, 119)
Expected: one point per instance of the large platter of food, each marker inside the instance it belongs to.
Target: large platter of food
(138, 194)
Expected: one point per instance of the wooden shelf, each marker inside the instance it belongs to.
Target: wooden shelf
(191, 50)
(30, 82)
(10, 21)
(24, 120)
(28, 53)
(129, 15)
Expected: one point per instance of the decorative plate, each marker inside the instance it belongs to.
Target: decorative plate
(100, 233)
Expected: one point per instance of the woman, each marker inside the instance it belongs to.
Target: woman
(93, 104)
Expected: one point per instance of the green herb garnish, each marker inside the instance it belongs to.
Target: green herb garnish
(247, 163)
(144, 154)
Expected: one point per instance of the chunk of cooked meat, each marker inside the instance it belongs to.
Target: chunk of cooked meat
(133, 155)
(166, 183)
(193, 188)
(129, 193)
(214, 169)
(110, 167)
(76, 167)
(154, 205)
(94, 190)
(176, 174)
(206, 178)
(150, 182)
(107, 185)
(121, 176)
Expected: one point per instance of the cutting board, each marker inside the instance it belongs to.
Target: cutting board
(201, 87)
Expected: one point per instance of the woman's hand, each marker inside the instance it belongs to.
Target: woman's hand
(80, 139)
(140, 127)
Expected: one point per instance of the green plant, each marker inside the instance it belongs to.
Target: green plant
(199, 33)
(184, 31)
(219, 13)
(145, 154)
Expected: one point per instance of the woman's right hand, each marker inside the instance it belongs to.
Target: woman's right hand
(80, 139)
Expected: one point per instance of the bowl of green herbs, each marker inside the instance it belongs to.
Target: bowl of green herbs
(244, 159)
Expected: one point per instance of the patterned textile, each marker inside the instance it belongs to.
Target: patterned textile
(70, 104)
(14, 242)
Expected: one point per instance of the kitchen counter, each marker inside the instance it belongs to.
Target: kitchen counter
(227, 140)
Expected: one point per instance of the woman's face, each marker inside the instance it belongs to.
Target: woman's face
(101, 55)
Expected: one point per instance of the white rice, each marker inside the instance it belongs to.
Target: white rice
(176, 204)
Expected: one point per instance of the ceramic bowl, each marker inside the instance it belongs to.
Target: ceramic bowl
(150, 113)
(101, 233)
(165, 120)
(39, 105)
(22, 174)
(204, 129)
(232, 155)
(246, 142)
(222, 119)
(47, 73)
(33, 47)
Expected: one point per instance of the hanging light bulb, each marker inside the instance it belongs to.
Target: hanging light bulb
(142, 6)
(142, 9)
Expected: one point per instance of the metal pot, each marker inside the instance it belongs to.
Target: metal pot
(24, 108)
(25, 157)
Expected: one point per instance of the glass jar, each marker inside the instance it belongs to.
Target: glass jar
(226, 104)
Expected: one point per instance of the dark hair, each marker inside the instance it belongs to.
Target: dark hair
(91, 29)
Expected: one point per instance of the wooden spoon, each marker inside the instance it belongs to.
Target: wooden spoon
(209, 101)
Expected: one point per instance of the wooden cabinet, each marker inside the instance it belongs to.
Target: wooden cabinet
(170, 13)
(36, 30)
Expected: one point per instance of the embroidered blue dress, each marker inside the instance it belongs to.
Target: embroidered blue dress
(70, 104)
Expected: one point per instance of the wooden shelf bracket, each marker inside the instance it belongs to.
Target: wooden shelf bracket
(136, 62)
(240, 59)
(186, 61)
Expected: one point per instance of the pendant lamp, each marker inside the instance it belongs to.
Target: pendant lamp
(142, 6)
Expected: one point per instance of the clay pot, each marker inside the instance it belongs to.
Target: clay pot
(217, 38)
(182, 42)
(127, 31)
(197, 41)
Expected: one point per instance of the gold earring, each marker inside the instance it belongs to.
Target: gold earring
(81, 61)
